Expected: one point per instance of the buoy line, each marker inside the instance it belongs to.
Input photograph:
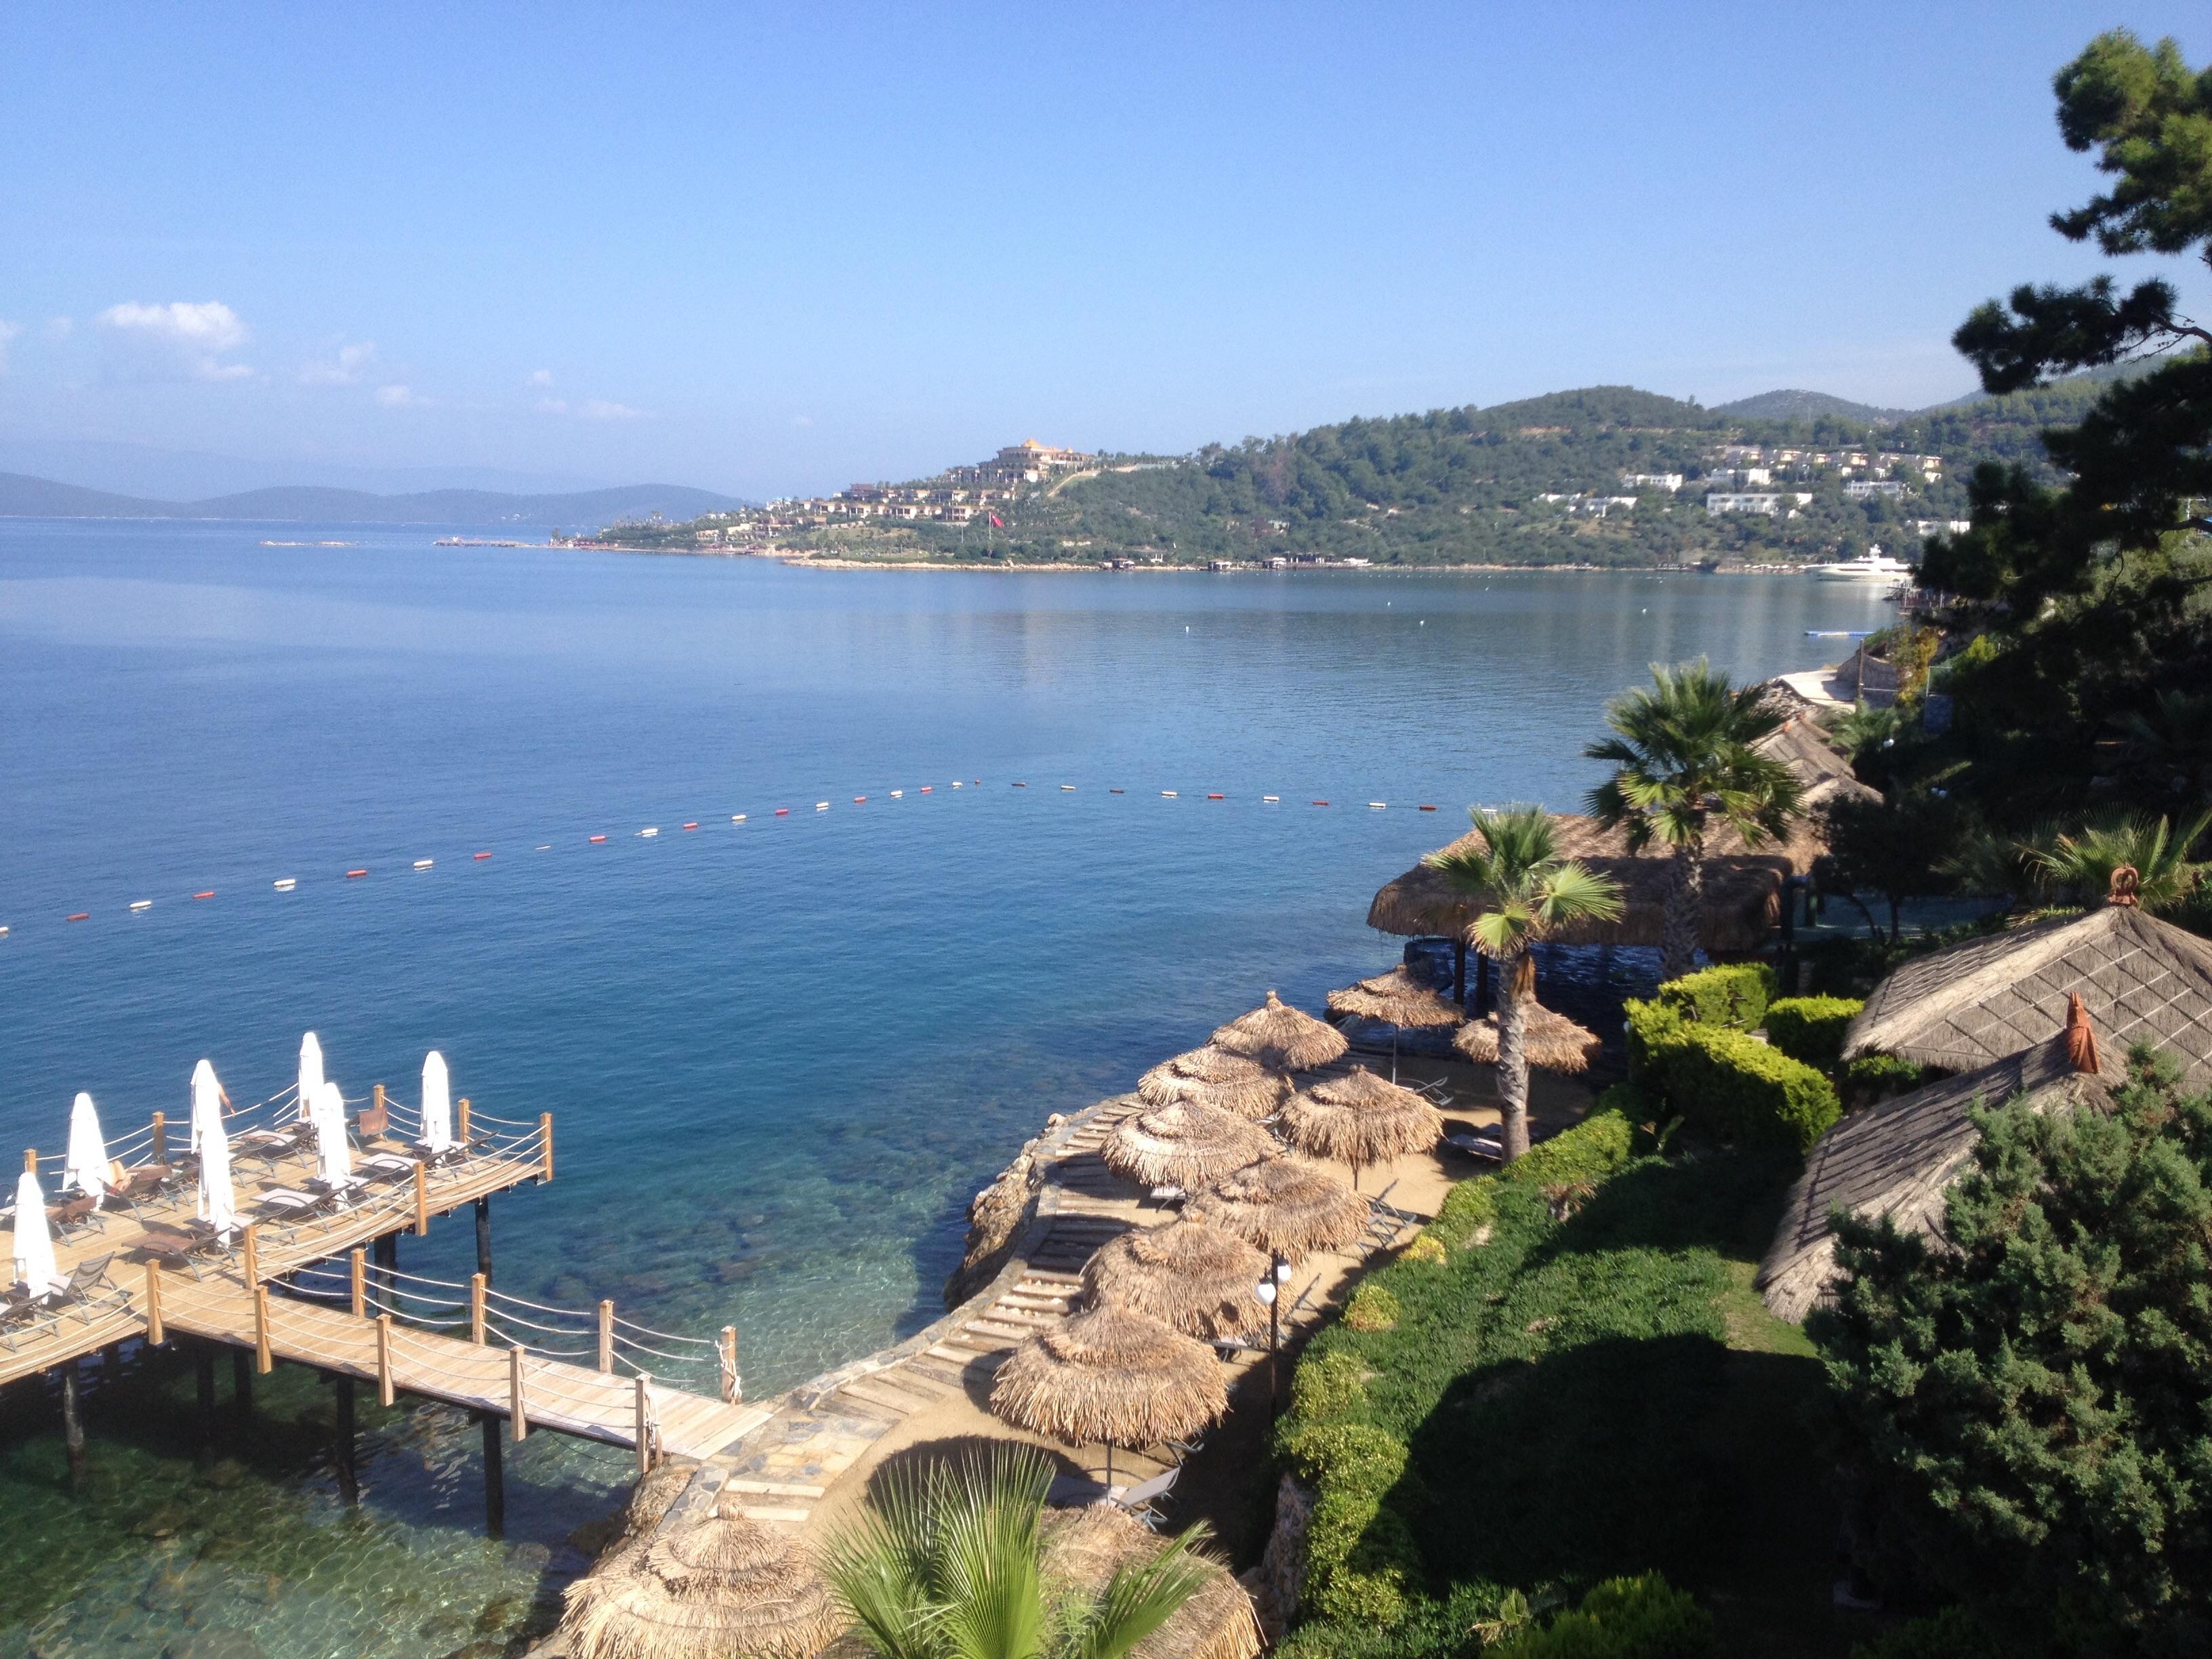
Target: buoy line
(290, 883)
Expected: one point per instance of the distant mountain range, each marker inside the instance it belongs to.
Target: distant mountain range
(26, 497)
(1796, 406)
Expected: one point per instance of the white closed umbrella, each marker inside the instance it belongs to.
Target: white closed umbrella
(218, 1200)
(34, 1245)
(207, 1103)
(311, 1073)
(86, 1166)
(332, 1151)
(437, 1104)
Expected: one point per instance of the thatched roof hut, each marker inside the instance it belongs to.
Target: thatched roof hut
(1110, 1376)
(1182, 1144)
(1284, 1206)
(1214, 1077)
(1743, 885)
(1898, 1158)
(1554, 1043)
(721, 1588)
(1360, 1119)
(1275, 1034)
(1201, 1280)
(2143, 981)
(1395, 998)
(1085, 1547)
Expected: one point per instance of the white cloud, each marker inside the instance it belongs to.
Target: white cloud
(602, 409)
(7, 332)
(343, 368)
(183, 339)
(399, 397)
(543, 377)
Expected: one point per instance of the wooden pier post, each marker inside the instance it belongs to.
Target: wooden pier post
(357, 1263)
(262, 1361)
(545, 1129)
(349, 1476)
(376, 1113)
(252, 1253)
(725, 1351)
(483, 1237)
(477, 1308)
(518, 1411)
(154, 1334)
(386, 1254)
(644, 1428)
(241, 1382)
(494, 1476)
(72, 1423)
(386, 1393)
(161, 1137)
(422, 1200)
(461, 1123)
(31, 1160)
(607, 1337)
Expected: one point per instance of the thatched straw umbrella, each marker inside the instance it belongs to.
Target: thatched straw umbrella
(1284, 1206)
(1359, 1119)
(722, 1588)
(1182, 1144)
(1204, 1282)
(1214, 1077)
(1085, 1547)
(1400, 1001)
(1113, 1378)
(1554, 1041)
(1276, 1034)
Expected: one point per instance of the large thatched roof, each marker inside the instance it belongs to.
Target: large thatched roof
(1554, 1041)
(1087, 1546)
(1198, 1278)
(720, 1588)
(1284, 1206)
(1395, 998)
(1360, 1119)
(1110, 1376)
(1743, 886)
(1214, 1077)
(1276, 1034)
(1182, 1144)
(1898, 1158)
(2142, 979)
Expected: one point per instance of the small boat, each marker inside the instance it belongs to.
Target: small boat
(286, 884)
(650, 831)
(142, 904)
(424, 864)
(1872, 566)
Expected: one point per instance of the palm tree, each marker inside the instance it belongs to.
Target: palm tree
(948, 1563)
(1528, 893)
(1684, 753)
(2079, 865)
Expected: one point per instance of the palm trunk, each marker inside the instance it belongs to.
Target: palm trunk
(1514, 992)
(1685, 909)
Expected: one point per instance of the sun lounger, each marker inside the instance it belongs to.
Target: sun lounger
(1142, 1499)
(182, 1244)
(77, 1210)
(386, 1166)
(21, 1316)
(287, 1201)
(1483, 1144)
(1075, 1492)
(88, 1289)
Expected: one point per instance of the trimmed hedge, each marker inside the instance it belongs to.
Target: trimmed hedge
(1735, 996)
(1639, 1618)
(1361, 1558)
(1728, 1083)
(1811, 1028)
(1595, 1149)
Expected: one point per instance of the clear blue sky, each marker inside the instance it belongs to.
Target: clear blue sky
(776, 248)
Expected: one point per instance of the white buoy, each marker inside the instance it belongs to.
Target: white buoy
(424, 864)
(286, 884)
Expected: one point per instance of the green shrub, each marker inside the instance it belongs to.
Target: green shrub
(1734, 996)
(1954, 1634)
(1595, 1149)
(1641, 1618)
(1372, 1308)
(1871, 1078)
(1425, 1248)
(1728, 1083)
(1653, 1028)
(1328, 1385)
(1360, 1556)
(1467, 1208)
(1811, 1028)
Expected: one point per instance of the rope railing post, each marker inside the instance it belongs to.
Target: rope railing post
(545, 1129)
(154, 1334)
(644, 1427)
(461, 1110)
(518, 1417)
(422, 1200)
(386, 1393)
(160, 1138)
(606, 1337)
(733, 1387)
(263, 1361)
(31, 1159)
(357, 1266)
(477, 1310)
(252, 1253)
(376, 1106)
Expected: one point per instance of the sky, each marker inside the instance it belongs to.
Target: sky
(774, 249)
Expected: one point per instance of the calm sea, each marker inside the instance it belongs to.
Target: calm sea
(782, 1054)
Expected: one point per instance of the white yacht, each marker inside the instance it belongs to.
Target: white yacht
(1872, 566)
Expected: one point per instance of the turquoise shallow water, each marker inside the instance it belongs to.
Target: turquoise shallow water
(782, 1055)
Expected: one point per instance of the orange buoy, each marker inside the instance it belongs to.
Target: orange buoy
(208, 894)
(857, 799)
(1117, 792)
(691, 826)
(80, 916)
(783, 811)
(925, 788)
(1428, 809)
(483, 855)
(356, 875)
(597, 838)
(1216, 798)
(1321, 803)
